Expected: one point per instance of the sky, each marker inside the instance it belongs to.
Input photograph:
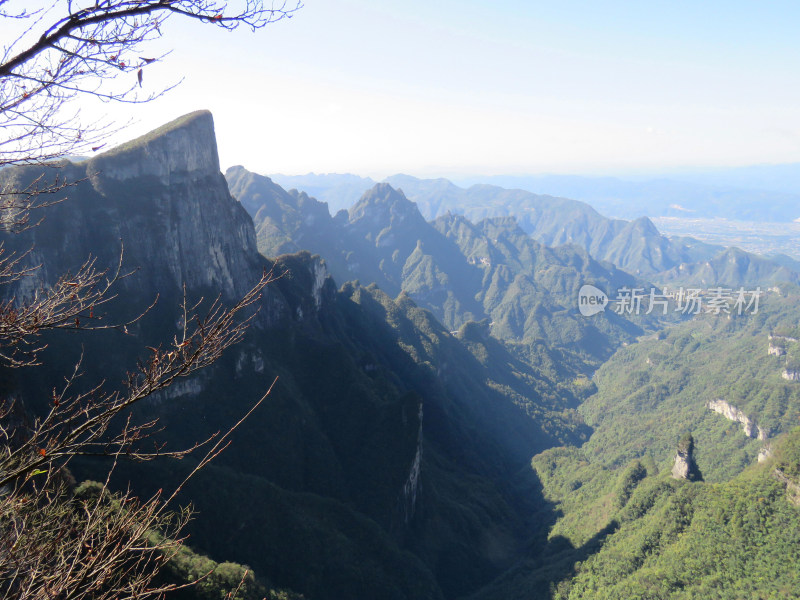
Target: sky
(461, 87)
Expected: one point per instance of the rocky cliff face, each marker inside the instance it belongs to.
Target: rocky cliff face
(792, 488)
(730, 412)
(411, 486)
(185, 148)
(776, 350)
(160, 196)
(791, 374)
(765, 453)
(685, 466)
(326, 488)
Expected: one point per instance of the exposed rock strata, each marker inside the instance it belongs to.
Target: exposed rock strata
(685, 466)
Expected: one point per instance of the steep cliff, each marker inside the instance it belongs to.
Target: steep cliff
(160, 196)
(685, 466)
(461, 271)
(335, 487)
(185, 148)
(730, 412)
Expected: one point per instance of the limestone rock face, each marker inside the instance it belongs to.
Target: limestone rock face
(160, 196)
(685, 466)
(732, 413)
(411, 486)
(792, 488)
(791, 374)
(776, 350)
(185, 147)
(680, 470)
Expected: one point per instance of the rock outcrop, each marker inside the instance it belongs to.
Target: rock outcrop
(765, 453)
(778, 337)
(185, 148)
(792, 487)
(162, 198)
(791, 374)
(776, 349)
(411, 486)
(732, 413)
(685, 466)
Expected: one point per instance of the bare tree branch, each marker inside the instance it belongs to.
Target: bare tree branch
(91, 544)
(78, 424)
(86, 49)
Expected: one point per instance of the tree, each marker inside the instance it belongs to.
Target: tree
(53, 543)
(74, 48)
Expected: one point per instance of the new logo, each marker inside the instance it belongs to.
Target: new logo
(591, 300)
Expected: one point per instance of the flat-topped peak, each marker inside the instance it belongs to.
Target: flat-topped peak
(185, 145)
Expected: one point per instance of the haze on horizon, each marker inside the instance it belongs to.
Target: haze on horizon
(465, 87)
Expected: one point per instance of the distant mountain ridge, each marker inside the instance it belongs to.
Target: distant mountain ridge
(338, 190)
(634, 246)
(459, 270)
(761, 193)
(746, 194)
(385, 463)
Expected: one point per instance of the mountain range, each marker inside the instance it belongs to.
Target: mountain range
(461, 271)
(382, 463)
(760, 193)
(437, 429)
(634, 246)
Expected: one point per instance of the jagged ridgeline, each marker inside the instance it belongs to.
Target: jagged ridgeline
(634, 246)
(388, 461)
(623, 526)
(459, 270)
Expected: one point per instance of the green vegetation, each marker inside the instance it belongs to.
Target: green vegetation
(197, 577)
(651, 392)
(459, 270)
(620, 527)
(632, 533)
(729, 540)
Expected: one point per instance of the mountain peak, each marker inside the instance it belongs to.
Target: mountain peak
(184, 146)
(645, 226)
(382, 202)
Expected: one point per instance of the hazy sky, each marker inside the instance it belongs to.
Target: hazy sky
(451, 87)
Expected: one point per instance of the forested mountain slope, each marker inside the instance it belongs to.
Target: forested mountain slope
(624, 526)
(651, 392)
(459, 270)
(635, 246)
(388, 460)
(639, 533)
